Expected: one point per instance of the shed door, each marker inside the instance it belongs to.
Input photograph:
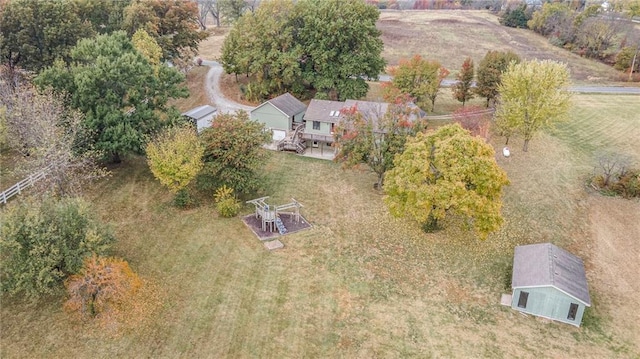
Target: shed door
(279, 135)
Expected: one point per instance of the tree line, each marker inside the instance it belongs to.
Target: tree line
(604, 34)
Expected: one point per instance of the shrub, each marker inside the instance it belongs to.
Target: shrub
(226, 203)
(183, 199)
(102, 285)
(628, 184)
(624, 59)
(517, 17)
(41, 244)
(612, 176)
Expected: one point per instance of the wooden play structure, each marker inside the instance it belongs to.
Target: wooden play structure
(270, 215)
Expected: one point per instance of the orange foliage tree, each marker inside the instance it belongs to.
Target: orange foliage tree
(102, 284)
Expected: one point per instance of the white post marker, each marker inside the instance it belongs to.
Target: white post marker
(506, 152)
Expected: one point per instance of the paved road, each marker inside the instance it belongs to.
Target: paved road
(225, 105)
(580, 89)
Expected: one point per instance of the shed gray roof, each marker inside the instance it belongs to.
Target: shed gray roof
(545, 264)
(200, 112)
(321, 110)
(288, 104)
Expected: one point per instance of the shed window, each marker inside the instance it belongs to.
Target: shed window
(316, 125)
(522, 301)
(573, 310)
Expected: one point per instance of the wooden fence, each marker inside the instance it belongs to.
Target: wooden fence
(20, 186)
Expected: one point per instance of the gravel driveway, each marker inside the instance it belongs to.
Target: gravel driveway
(223, 104)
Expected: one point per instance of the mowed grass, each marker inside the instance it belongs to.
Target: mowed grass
(358, 283)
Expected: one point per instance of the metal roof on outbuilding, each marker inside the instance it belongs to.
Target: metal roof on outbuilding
(202, 115)
(544, 264)
(200, 112)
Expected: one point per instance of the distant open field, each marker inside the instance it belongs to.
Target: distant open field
(361, 284)
(450, 36)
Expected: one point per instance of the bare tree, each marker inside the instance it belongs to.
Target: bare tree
(50, 137)
(611, 165)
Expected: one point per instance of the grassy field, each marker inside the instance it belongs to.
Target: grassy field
(360, 283)
(450, 36)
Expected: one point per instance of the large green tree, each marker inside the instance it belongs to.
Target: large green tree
(43, 242)
(447, 172)
(35, 33)
(233, 153)
(105, 16)
(331, 46)
(122, 95)
(376, 136)
(489, 73)
(533, 95)
(272, 60)
(341, 46)
(172, 23)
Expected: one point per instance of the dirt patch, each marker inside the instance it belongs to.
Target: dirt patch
(211, 47)
(615, 262)
(289, 222)
(230, 88)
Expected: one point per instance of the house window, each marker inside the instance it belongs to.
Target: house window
(315, 144)
(316, 125)
(573, 310)
(522, 301)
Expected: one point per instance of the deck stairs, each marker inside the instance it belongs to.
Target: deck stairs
(293, 141)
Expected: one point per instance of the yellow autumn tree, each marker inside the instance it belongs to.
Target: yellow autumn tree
(534, 96)
(447, 172)
(102, 285)
(147, 46)
(175, 157)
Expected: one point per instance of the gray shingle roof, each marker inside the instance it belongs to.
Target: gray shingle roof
(372, 111)
(320, 110)
(200, 112)
(288, 104)
(545, 264)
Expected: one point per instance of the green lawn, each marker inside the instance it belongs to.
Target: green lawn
(358, 283)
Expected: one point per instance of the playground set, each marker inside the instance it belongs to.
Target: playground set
(269, 221)
(270, 215)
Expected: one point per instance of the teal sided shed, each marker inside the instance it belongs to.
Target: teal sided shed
(549, 282)
(280, 114)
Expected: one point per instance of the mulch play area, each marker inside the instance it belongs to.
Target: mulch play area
(288, 220)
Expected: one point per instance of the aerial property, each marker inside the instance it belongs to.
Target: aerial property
(549, 282)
